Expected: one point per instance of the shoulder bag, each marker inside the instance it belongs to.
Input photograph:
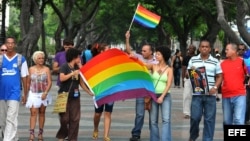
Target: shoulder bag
(148, 99)
(60, 105)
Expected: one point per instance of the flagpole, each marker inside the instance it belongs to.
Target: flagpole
(83, 78)
(133, 17)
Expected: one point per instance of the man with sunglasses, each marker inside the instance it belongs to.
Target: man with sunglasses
(12, 77)
(3, 49)
(241, 50)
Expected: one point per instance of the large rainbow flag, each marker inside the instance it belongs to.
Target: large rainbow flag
(146, 17)
(113, 75)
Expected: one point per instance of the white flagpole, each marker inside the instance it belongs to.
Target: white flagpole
(86, 82)
(133, 17)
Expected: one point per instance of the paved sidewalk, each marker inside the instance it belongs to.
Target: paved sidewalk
(122, 120)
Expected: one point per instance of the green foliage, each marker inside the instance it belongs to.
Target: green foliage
(114, 17)
(14, 24)
(50, 21)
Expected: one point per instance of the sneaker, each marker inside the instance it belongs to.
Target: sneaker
(135, 138)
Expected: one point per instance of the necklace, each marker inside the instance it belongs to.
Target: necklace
(161, 69)
(39, 69)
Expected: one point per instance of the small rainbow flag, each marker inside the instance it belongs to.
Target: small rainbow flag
(146, 17)
(113, 75)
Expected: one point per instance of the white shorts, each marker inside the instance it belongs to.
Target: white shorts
(35, 99)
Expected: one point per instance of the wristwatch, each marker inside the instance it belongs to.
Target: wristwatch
(215, 87)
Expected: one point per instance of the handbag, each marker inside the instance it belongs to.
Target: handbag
(60, 105)
(148, 99)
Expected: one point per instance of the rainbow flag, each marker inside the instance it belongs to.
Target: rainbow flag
(146, 17)
(113, 75)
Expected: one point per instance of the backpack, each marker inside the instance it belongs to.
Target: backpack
(19, 61)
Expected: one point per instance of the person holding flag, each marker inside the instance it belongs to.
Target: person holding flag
(147, 57)
(147, 19)
(96, 49)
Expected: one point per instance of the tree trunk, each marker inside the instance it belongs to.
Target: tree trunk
(212, 32)
(30, 31)
(224, 24)
(3, 31)
(242, 9)
(63, 25)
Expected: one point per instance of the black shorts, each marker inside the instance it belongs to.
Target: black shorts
(108, 108)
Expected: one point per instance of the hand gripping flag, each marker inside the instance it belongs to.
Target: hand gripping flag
(113, 76)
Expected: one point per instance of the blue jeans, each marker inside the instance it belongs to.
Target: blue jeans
(177, 76)
(247, 116)
(165, 109)
(234, 110)
(204, 104)
(139, 117)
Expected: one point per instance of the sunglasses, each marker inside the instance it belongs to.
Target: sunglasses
(4, 50)
(241, 49)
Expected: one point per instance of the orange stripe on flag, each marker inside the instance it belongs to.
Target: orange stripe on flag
(148, 13)
(106, 64)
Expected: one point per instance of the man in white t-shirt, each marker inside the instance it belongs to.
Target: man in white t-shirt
(11, 77)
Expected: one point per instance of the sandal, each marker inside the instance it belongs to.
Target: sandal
(40, 135)
(32, 135)
(106, 139)
(95, 135)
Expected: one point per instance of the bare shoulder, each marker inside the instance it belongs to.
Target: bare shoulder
(169, 69)
(32, 68)
(47, 69)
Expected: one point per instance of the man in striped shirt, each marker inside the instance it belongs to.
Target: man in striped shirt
(205, 103)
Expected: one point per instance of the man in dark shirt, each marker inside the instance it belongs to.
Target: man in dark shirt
(187, 92)
(241, 50)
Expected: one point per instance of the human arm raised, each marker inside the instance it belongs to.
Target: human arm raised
(127, 44)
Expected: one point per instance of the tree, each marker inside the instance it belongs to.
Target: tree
(31, 25)
(3, 32)
(243, 7)
(224, 23)
(175, 14)
(73, 25)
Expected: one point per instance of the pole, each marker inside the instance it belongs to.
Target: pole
(133, 17)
